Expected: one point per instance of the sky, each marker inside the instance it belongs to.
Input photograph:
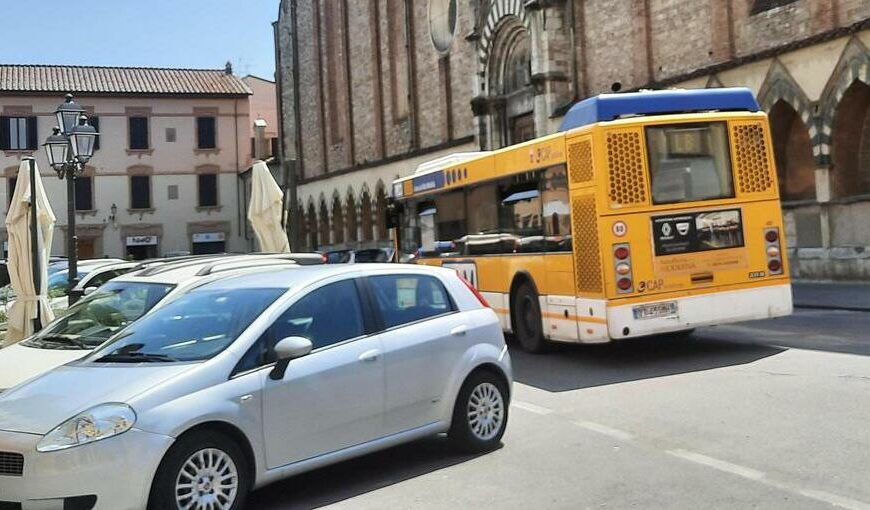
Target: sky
(142, 33)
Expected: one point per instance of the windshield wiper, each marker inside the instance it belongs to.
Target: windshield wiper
(135, 357)
(65, 339)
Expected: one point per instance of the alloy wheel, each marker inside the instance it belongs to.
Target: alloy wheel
(485, 411)
(208, 480)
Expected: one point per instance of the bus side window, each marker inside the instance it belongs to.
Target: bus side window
(556, 209)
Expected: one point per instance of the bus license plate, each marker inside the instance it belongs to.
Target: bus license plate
(655, 310)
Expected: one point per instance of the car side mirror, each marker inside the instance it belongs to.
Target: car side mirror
(286, 351)
(90, 290)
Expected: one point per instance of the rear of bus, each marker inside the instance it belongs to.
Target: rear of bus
(681, 210)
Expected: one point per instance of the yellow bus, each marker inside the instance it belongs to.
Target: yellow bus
(647, 213)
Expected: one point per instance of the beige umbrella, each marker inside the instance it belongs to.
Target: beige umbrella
(23, 310)
(264, 213)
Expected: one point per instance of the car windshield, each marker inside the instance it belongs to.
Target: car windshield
(197, 326)
(58, 283)
(91, 321)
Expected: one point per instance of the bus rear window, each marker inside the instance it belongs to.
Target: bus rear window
(689, 162)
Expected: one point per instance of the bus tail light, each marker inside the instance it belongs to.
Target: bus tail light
(474, 291)
(622, 268)
(773, 251)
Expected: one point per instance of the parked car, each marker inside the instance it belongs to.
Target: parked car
(359, 256)
(118, 303)
(249, 379)
(91, 273)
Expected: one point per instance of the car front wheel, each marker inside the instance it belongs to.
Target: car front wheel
(480, 413)
(202, 471)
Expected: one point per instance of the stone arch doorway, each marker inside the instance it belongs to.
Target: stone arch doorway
(792, 147)
(850, 137)
(509, 82)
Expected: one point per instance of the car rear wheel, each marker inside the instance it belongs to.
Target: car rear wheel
(480, 413)
(202, 471)
(527, 319)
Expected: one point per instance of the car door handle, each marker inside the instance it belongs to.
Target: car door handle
(370, 356)
(459, 330)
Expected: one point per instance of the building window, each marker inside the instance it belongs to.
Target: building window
(18, 134)
(205, 133)
(10, 191)
(208, 192)
(170, 135)
(273, 145)
(172, 192)
(84, 193)
(759, 6)
(139, 133)
(95, 122)
(140, 192)
(442, 23)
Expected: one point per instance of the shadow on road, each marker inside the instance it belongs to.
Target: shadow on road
(571, 367)
(358, 476)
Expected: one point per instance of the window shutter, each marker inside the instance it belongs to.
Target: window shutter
(32, 134)
(205, 127)
(84, 194)
(140, 192)
(5, 142)
(139, 133)
(208, 190)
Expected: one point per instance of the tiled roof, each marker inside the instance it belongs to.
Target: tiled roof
(119, 81)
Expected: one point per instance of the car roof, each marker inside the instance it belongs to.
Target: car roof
(306, 275)
(180, 270)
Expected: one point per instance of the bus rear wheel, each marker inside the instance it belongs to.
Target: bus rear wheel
(527, 319)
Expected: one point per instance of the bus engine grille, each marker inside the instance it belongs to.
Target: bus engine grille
(753, 172)
(587, 256)
(627, 170)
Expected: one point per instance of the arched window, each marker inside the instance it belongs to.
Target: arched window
(312, 226)
(337, 221)
(381, 214)
(302, 234)
(850, 138)
(793, 151)
(351, 220)
(366, 216)
(324, 223)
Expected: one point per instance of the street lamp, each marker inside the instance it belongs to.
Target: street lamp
(68, 149)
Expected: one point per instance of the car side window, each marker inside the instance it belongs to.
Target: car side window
(403, 299)
(326, 316)
(104, 277)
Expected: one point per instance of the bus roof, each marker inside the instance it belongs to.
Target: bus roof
(606, 107)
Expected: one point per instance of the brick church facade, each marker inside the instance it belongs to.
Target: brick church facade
(372, 88)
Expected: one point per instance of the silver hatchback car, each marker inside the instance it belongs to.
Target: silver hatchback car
(253, 378)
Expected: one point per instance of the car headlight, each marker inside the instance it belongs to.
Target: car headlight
(95, 424)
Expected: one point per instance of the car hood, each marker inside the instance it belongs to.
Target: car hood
(19, 363)
(40, 405)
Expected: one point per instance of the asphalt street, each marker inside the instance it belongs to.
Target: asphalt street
(770, 414)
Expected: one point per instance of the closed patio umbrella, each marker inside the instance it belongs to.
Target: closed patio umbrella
(30, 303)
(264, 212)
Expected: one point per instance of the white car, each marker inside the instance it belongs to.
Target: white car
(91, 273)
(94, 319)
(248, 379)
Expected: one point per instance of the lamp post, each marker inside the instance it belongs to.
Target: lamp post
(68, 150)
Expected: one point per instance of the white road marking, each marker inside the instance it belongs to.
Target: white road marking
(604, 429)
(759, 476)
(532, 408)
(721, 465)
(836, 500)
